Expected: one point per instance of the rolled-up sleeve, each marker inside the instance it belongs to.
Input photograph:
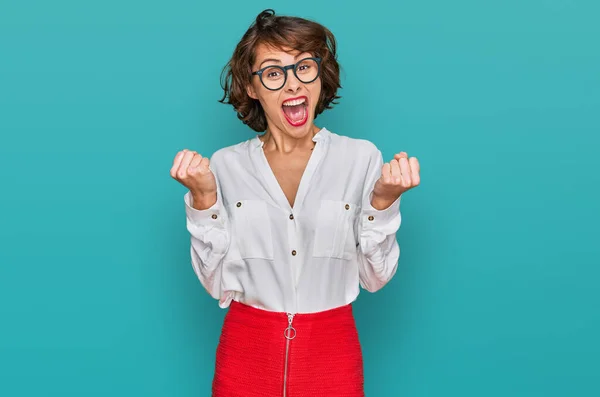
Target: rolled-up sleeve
(210, 239)
(379, 249)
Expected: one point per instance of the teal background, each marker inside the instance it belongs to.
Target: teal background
(497, 289)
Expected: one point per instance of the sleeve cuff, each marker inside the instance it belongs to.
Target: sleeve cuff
(209, 217)
(373, 218)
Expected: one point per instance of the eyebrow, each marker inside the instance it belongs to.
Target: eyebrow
(278, 61)
(269, 60)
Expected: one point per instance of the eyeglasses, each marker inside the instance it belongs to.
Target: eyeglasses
(274, 77)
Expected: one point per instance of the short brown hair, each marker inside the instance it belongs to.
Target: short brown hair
(278, 31)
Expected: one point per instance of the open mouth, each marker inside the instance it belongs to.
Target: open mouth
(295, 110)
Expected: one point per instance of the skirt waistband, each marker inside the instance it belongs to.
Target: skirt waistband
(253, 313)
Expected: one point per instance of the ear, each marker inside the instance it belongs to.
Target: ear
(251, 92)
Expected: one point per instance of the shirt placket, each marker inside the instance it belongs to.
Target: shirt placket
(294, 253)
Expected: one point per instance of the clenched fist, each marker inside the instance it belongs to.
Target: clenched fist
(397, 176)
(192, 171)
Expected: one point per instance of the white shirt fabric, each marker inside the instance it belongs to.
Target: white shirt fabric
(253, 247)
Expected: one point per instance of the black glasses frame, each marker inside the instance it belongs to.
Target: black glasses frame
(284, 70)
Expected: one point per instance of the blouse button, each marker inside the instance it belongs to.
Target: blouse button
(239, 204)
(291, 216)
(371, 217)
(214, 216)
(294, 252)
(347, 206)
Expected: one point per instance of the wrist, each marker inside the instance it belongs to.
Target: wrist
(203, 201)
(382, 203)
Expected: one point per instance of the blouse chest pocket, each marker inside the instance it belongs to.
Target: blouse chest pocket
(334, 230)
(252, 225)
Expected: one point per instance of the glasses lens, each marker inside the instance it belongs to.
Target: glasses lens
(307, 70)
(273, 78)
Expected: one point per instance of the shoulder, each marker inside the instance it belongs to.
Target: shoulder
(231, 153)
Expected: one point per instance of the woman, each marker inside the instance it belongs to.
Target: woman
(287, 225)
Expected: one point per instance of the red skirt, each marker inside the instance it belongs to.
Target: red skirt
(261, 355)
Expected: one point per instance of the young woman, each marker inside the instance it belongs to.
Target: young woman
(287, 225)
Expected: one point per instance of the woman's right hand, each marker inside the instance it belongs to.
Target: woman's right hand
(192, 171)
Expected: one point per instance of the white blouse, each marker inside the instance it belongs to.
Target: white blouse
(253, 247)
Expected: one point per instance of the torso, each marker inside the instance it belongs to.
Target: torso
(280, 257)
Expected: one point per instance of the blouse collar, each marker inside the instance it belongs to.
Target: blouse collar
(323, 135)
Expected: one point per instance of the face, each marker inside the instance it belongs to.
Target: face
(291, 109)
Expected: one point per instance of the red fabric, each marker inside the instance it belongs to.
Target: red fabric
(325, 357)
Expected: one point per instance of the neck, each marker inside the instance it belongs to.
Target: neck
(275, 140)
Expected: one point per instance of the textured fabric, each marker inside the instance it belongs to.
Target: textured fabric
(324, 358)
(251, 246)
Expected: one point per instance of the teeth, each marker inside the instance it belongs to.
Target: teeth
(295, 102)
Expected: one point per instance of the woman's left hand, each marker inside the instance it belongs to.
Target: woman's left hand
(397, 176)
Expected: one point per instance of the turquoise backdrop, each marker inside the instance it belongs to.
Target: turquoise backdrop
(497, 289)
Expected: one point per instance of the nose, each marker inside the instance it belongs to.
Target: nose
(292, 84)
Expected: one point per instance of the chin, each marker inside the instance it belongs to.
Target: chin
(298, 131)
